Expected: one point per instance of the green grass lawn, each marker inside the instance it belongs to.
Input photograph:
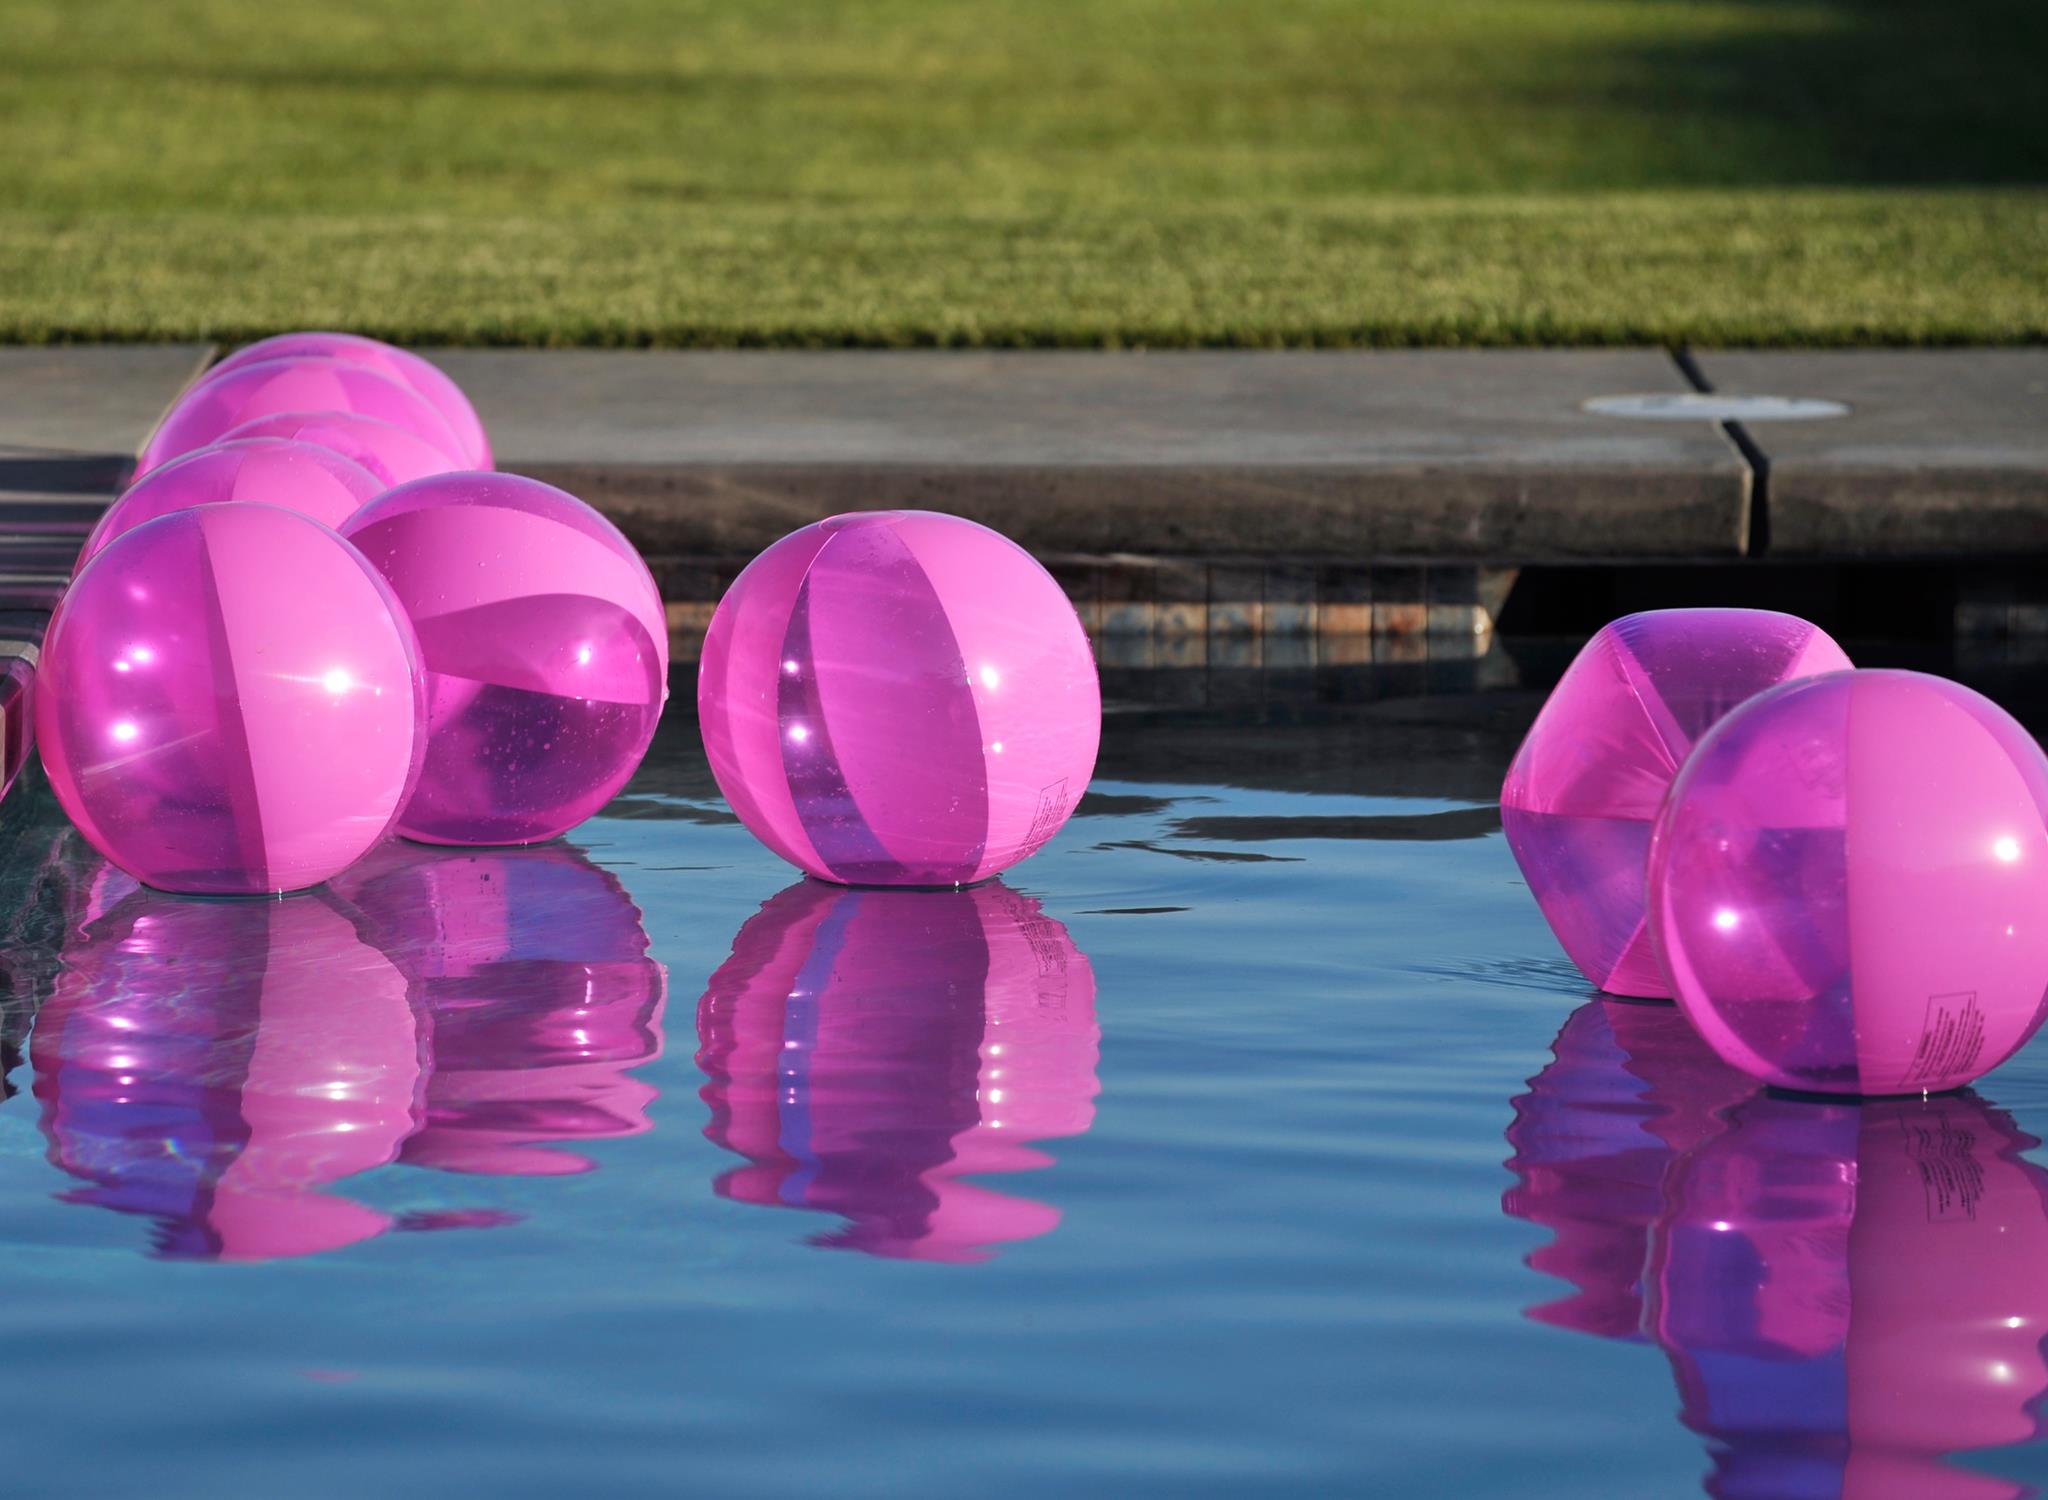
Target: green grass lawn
(1027, 171)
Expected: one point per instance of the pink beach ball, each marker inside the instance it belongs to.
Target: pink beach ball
(391, 453)
(230, 702)
(401, 365)
(899, 698)
(225, 399)
(544, 644)
(304, 477)
(1849, 885)
(1590, 776)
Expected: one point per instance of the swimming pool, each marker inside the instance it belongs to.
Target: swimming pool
(1254, 1138)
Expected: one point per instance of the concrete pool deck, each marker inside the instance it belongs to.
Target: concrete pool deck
(1408, 455)
(1387, 456)
(1377, 496)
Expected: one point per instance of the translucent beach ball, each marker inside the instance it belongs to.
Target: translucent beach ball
(230, 702)
(1849, 885)
(394, 455)
(311, 480)
(1588, 780)
(224, 400)
(899, 698)
(401, 365)
(545, 648)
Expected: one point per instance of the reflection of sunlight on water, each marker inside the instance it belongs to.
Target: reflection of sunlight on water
(867, 1050)
(1847, 1292)
(219, 1067)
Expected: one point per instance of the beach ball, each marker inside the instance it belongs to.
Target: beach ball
(311, 480)
(230, 702)
(394, 455)
(899, 698)
(1849, 885)
(1589, 778)
(881, 1055)
(223, 400)
(545, 649)
(401, 365)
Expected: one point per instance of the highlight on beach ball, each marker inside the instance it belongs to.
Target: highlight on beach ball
(402, 365)
(304, 477)
(1849, 885)
(224, 400)
(899, 698)
(230, 702)
(1589, 778)
(391, 453)
(544, 645)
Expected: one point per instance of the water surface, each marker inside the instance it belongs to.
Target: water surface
(1254, 1138)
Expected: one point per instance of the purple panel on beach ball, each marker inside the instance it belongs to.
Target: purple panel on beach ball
(225, 400)
(1589, 778)
(545, 648)
(1849, 881)
(229, 702)
(391, 453)
(304, 477)
(899, 698)
(401, 365)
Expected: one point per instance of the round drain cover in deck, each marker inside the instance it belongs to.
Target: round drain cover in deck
(1706, 406)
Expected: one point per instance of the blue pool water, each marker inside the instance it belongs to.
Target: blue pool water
(1201, 1156)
